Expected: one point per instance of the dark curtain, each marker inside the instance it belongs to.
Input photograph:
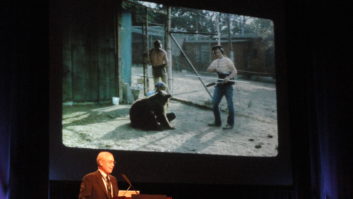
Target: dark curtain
(24, 100)
(331, 94)
(7, 93)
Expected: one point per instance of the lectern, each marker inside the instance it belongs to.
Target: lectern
(135, 194)
(128, 193)
(149, 196)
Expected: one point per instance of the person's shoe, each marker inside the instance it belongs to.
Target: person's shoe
(227, 127)
(214, 125)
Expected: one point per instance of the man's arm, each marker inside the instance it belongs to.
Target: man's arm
(85, 188)
(233, 71)
(212, 67)
(165, 57)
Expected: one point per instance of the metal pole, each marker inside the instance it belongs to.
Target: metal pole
(194, 33)
(146, 54)
(219, 29)
(169, 51)
(192, 66)
(230, 40)
(213, 78)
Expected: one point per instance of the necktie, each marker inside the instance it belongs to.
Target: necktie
(109, 187)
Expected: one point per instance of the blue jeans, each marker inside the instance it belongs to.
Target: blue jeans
(219, 92)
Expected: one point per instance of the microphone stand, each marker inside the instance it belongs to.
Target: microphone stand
(129, 182)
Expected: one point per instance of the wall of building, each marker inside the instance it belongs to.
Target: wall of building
(86, 34)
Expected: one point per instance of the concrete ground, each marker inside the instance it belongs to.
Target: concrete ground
(255, 132)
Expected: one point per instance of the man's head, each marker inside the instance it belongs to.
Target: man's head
(160, 86)
(105, 162)
(218, 51)
(157, 44)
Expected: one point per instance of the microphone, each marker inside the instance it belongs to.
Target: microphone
(129, 182)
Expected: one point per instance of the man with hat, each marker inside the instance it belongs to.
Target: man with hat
(158, 87)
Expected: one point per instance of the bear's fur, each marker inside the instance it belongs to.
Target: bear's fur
(149, 113)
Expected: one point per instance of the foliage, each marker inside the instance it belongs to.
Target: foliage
(201, 21)
(204, 21)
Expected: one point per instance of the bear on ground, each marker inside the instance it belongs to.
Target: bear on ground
(149, 113)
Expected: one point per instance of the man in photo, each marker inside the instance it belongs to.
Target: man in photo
(226, 71)
(159, 62)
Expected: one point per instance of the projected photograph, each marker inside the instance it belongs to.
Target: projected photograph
(157, 78)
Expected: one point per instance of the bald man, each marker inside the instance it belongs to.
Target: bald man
(100, 184)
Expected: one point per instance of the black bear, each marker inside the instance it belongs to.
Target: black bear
(149, 113)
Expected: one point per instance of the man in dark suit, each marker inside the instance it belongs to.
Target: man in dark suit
(100, 184)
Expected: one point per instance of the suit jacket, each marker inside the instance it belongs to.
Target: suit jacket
(92, 186)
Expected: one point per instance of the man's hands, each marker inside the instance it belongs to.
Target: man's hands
(226, 80)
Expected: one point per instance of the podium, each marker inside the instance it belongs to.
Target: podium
(135, 194)
(127, 193)
(149, 196)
